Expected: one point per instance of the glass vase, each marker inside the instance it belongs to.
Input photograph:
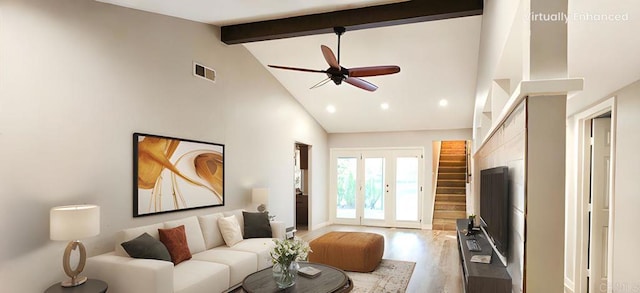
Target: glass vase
(285, 275)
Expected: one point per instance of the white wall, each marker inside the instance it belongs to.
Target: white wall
(422, 139)
(626, 277)
(78, 77)
(625, 197)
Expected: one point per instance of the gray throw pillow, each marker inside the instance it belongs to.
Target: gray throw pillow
(145, 246)
(256, 225)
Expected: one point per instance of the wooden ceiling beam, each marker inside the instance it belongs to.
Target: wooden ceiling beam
(353, 19)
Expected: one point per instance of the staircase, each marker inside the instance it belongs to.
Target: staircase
(450, 202)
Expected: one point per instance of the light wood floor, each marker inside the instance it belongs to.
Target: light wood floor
(434, 252)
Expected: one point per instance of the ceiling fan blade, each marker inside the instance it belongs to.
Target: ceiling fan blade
(321, 83)
(297, 69)
(361, 83)
(330, 57)
(373, 70)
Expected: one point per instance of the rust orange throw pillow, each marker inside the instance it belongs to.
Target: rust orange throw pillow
(176, 242)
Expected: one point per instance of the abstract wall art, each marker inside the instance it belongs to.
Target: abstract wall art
(174, 174)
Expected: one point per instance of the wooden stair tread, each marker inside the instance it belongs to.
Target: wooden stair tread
(440, 214)
(451, 197)
(456, 169)
(459, 176)
(450, 144)
(450, 207)
(444, 213)
(455, 184)
(453, 162)
(449, 191)
(462, 200)
(452, 156)
(449, 201)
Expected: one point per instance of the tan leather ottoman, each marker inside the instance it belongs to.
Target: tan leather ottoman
(349, 251)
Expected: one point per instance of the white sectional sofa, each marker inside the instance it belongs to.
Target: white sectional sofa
(214, 266)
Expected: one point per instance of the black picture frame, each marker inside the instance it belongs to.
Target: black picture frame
(176, 174)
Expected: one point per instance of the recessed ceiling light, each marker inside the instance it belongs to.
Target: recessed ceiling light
(384, 106)
(443, 102)
(331, 109)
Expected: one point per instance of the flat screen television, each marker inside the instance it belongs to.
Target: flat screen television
(494, 206)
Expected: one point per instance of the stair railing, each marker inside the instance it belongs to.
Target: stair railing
(434, 181)
(467, 147)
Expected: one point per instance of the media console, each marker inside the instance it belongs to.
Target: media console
(480, 277)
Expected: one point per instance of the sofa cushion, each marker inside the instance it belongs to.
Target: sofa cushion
(230, 230)
(239, 217)
(131, 233)
(145, 246)
(192, 231)
(241, 263)
(262, 247)
(176, 242)
(256, 225)
(210, 230)
(195, 276)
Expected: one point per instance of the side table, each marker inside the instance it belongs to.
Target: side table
(90, 286)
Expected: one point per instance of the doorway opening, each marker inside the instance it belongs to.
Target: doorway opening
(302, 180)
(595, 198)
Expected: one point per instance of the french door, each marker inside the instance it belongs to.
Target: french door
(381, 187)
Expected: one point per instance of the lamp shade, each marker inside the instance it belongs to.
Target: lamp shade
(260, 196)
(74, 222)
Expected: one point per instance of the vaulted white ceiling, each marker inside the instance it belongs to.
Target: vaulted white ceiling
(438, 60)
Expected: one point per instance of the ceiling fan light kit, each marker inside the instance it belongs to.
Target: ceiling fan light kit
(338, 74)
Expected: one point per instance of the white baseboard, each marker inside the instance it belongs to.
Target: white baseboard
(318, 226)
(427, 227)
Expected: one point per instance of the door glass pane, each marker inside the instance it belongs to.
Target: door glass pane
(407, 189)
(374, 188)
(346, 186)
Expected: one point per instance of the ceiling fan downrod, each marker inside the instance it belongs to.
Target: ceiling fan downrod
(339, 30)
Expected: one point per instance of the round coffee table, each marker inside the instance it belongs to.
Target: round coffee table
(331, 280)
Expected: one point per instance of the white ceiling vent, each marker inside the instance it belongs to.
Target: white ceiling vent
(204, 72)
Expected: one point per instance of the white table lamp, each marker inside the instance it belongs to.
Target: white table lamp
(72, 223)
(260, 196)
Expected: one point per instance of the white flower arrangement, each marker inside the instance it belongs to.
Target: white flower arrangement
(288, 250)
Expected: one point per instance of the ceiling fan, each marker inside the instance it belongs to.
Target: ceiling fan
(338, 74)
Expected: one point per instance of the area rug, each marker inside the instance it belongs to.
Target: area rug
(390, 276)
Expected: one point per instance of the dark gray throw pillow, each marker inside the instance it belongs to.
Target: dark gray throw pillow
(145, 246)
(256, 225)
